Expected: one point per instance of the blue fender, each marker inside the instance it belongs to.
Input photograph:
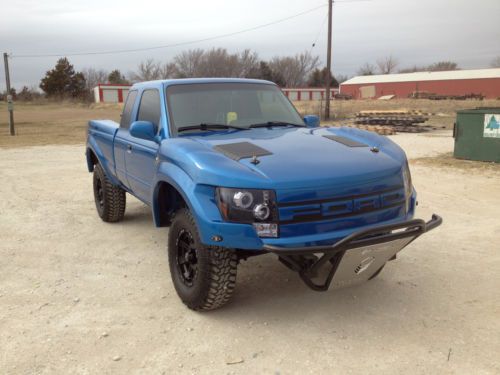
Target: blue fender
(176, 177)
(200, 201)
(94, 147)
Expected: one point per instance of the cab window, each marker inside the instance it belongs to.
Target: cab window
(127, 109)
(149, 108)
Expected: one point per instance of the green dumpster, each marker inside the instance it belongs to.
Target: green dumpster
(477, 134)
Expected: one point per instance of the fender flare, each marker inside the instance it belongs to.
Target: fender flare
(181, 182)
(93, 147)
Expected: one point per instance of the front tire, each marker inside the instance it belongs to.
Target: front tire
(204, 277)
(109, 199)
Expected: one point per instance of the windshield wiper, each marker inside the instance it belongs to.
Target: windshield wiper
(209, 126)
(269, 124)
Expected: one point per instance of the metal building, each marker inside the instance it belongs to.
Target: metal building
(307, 93)
(110, 93)
(485, 82)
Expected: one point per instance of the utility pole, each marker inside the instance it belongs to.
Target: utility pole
(328, 60)
(10, 103)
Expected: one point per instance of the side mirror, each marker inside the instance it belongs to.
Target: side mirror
(312, 121)
(144, 130)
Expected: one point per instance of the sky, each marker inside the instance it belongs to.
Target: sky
(415, 32)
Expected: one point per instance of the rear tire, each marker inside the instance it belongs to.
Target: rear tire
(204, 277)
(110, 200)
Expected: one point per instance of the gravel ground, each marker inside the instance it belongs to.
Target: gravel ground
(81, 296)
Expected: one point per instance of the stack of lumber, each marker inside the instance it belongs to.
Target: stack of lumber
(433, 96)
(398, 120)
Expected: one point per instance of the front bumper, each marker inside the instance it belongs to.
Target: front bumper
(356, 258)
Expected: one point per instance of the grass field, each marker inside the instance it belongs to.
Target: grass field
(66, 123)
(52, 124)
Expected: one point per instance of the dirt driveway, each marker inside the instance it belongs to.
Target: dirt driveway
(81, 296)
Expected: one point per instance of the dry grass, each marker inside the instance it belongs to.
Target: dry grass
(444, 111)
(448, 161)
(52, 123)
(45, 123)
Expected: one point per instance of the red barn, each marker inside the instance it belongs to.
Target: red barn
(456, 82)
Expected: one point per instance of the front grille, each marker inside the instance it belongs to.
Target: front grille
(339, 207)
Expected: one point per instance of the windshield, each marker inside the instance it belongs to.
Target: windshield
(235, 104)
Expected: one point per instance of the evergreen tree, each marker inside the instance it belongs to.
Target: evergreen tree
(63, 81)
(265, 72)
(318, 78)
(117, 78)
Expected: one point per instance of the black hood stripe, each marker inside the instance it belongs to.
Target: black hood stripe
(241, 150)
(345, 141)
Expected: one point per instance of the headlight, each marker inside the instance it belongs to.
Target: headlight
(250, 206)
(407, 185)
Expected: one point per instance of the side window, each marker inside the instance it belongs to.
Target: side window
(127, 110)
(149, 108)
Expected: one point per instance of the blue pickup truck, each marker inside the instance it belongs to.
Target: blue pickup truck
(234, 171)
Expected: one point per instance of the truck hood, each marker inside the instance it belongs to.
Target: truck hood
(297, 158)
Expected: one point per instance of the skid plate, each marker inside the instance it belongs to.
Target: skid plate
(356, 258)
(360, 264)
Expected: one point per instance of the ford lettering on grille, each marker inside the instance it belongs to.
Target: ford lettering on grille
(339, 207)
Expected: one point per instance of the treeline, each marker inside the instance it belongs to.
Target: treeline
(63, 82)
(390, 65)
(300, 70)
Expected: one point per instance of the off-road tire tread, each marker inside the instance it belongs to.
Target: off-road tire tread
(114, 198)
(220, 276)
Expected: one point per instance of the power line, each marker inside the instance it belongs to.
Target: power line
(176, 44)
(319, 32)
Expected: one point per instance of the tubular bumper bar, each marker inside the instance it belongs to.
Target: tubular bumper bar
(374, 246)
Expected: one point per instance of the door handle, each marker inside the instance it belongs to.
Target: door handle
(129, 149)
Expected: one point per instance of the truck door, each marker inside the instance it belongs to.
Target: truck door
(121, 140)
(140, 155)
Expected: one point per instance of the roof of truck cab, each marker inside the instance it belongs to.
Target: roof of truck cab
(188, 81)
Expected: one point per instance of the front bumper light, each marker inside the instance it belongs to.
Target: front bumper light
(249, 206)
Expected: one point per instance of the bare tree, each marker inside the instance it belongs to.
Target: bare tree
(93, 77)
(443, 66)
(168, 70)
(188, 63)
(366, 70)
(295, 70)
(413, 69)
(217, 62)
(307, 63)
(249, 63)
(495, 63)
(387, 65)
(147, 71)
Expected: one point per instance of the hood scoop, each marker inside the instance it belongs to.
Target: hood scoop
(345, 141)
(241, 150)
